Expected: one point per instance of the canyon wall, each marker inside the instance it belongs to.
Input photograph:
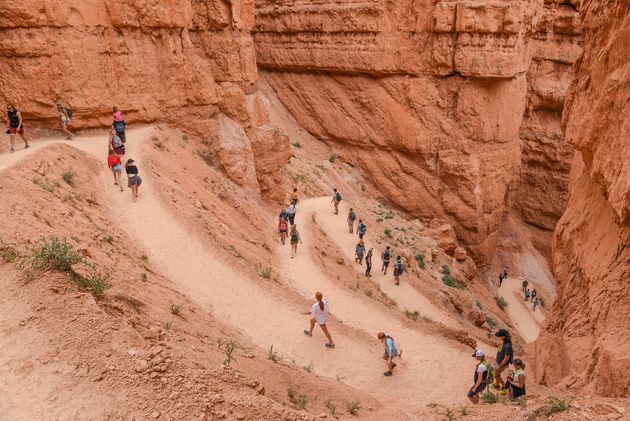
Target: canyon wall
(185, 62)
(586, 337)
(448, 107)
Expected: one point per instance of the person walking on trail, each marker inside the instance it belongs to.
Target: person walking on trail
(134, 179)
(524, 285)
(119, 125)
(351, 218)
(386, 257)
(65, 114)
(291, 214)
(116, 144)
(294, 196)
(480, 378)
(505, 355)
(283, 214)
(534, 294)
(283, 228)
(115, 165)
(399, 269)
(359, 252)
(536, 302)
(368, 263)
(391, 352)
(505, 273)
(15, 125)
(336, 199)
(361, 229)
(295, 239)
(527, 294)
(516, 380)
(319, 312)
(500, 279)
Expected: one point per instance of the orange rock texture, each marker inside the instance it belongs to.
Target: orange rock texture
(451, 108)
(588, 326)
(185, 62)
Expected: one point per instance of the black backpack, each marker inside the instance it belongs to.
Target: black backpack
(120, 126)
(338, 197)
(69, 112)
(294, 236)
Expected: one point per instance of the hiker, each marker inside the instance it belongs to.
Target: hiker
(385, 257)
(516, 380)
(119, 125)
(283, 214)
(399, 268)
(65, 114)
(536, 302)
(283, 228)
(291, 214)
(351, 218)
(527, 294)
(335, 200)
(524, 285)
(391, 352)
(15, 125)
(361, 229)
(505, 273)
(294, 196)
(115, 165)
(505, 355)
(116, 144)
(320, 314)
(295, 239)
(480, 378)
(359, 252)
(368, 263)
(134, 179)
(534, 294)
(500, 279)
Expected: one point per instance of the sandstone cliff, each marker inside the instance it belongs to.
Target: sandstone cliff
(434, 101)
(586, 337)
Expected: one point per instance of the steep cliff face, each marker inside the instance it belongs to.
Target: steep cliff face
(428, 99)
(585, 341)
(184, 62)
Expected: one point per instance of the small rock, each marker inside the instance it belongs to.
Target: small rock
(153, 375)
(141, 365)
(323, 415)
(155, 415)
(132, 352)
(22, 323)
(340, 260)
(260, 390)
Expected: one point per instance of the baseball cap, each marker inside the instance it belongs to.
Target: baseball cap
(478, 353)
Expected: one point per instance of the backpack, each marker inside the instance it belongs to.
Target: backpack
(386, 255)
(69, 112)
(283, 225)
(116, 142)
(294, 236)
(119, 126)
(338, 197)
(353, 216)
(489, 373)
(399, 265)
(362, 228)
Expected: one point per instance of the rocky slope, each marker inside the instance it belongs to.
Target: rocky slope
(588, 327)
(434, 107)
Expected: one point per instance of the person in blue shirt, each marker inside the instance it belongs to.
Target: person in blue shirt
(361, 229)
(391, 352)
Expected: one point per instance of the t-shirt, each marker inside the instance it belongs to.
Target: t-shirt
(360, 249)
(386, 255)
(131, 170)
(362, 228)
(481, 369)
(352, 216)
(320, 315)
(291, 210)
(119, 126)
(118, 116)
(113, 160)
(368, 259)
(505, 349)
(390, 347)
(294, 196)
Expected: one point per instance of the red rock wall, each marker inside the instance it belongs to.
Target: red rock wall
(586, 339)
(433, 100)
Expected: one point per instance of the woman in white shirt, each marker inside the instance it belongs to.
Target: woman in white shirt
(320, 314)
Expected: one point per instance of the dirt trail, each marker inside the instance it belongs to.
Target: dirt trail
(245, 304)
(524, 318)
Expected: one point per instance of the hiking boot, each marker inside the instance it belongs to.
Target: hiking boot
(329, 345)
(387, 373)
(27, 146)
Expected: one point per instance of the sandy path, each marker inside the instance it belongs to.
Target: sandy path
(245, 304)
(524, 318)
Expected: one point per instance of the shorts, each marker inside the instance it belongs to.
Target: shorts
(385, 263)
(397, 272)
(134, 181)
(517, 392)
(361, 236)
(65, 123)
(122, 136)
(117, 168)
(472, 392)
(14, 130)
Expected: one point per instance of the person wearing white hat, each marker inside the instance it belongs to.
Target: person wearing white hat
(480, 377)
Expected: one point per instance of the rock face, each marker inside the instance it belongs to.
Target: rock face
(585, 340)
(440, 104)
(180, 61)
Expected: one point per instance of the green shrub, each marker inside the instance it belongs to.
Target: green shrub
(388, 233)
(501, 302)
(229, 349)
(308, 368)
(108, 239)
(353, 407)
(446, 270)
(8, 253)
(450, 416)
(273, 355)
(331, 407)
(479, 306)
(333, 158)
(420, 260)
(413, 315)
(296, 145)
(451, 282)
(369, 293)
(489, 397)
(555, 404)
(97, 282)
(167, 325)
(176, 309)
(68, 176)
(55, 254)
(491, 322)
(265, 273)
(301, 401)
(46, 185)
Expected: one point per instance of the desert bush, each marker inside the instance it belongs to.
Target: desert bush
(451, 282)
(46, 185)
(108, 239)
(97, 282)
(265, 273)
(273, 355)
(491, 322)
(166, 325)
(331, 407)
(308, 368)
(176, 309)
(369, 293)
(8, 253)
(413, 315)
(420, 260)
(228, 350)
(388, 233)
(54, 254)
(353, 407)
(489, 397)
(555, 404)
(446, 270)
(296, 145)
(501, 302)
(68, 176)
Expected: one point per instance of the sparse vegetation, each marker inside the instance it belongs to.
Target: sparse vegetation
(68, 176)
(446, 270)
(413, 315)
(228, 350)
(501, 302)
(308, 368)
(157, 142)
(8, 253)
(479, 306)
(420, 260)
(184, 137)
(273, 355)
(369, 293)
(144, 258)
(46, 185)
(451, 282)
(96, 281)
(489, 398)
(333, 158)
(388, 233)
(340, 378)
(55, 254)
(143, 277)
(300, 400)
(265, 273)
(491, 322)
(176, 309)
(541, 301)
(353, 407)
(463, 409)
(167, 325)
(450, 415)
(331, 407)
(555, 404)
(296, 145)
(108, 239)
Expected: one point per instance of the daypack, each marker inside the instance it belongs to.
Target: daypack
(399, 266)
(283, 225)
(489, 373)
(69, 112)
(353, 216)
(119, 126)
(116, 142)
(294, 237)
(338, 197)
(386, 255)
(362, 228)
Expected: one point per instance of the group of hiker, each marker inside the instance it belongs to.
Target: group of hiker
(530, 295)
(116, 142)
(286, 224)
(490, 374)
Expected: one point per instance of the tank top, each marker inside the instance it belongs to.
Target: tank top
(14, 120)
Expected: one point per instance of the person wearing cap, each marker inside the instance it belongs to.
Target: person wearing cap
(359, 252)
(391, 352)
(479, 378)
(368, 263)
(505, 355)
(134, 179)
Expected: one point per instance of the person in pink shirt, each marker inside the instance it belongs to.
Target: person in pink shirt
(117, 115)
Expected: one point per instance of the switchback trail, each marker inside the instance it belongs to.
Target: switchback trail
(524, 318)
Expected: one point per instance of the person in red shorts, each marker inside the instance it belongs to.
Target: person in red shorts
(114, 164)
(15, 126)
